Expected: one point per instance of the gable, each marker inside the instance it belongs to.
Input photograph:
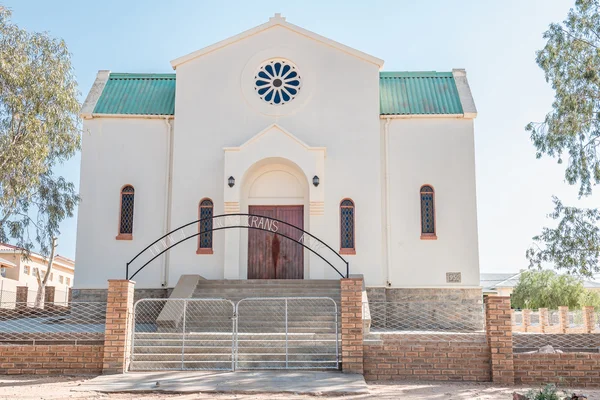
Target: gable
(277, 20)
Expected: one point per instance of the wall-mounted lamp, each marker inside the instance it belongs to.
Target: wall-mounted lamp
(231, 181)
(316, 181)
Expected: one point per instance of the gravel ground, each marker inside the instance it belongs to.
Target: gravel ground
(34, 387)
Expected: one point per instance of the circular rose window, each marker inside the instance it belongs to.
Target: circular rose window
(277, 82)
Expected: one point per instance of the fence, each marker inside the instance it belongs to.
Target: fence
(556, 321)
(183, 334)
(556, 331)
(290, 333)
(73, 323)
(426, 321)
(217, 334)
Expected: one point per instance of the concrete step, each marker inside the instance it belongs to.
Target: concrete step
(328, 340)
(237, 290)
(157, 365)
(271, 282)
(326, 348)
(315, 365)
(243, 339)
(224, 357)
(261, 317)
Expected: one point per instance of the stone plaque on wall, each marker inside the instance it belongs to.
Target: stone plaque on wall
(453, 277)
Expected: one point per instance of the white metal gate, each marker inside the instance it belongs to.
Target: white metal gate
(183, 334)
(287, 333)
(216, 334)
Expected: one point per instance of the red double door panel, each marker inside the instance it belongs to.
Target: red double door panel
(272, 256)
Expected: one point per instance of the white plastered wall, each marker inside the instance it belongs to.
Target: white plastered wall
(438, 152)
(116, 152)
(338, 109)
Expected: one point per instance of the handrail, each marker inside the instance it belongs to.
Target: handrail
(231, 227)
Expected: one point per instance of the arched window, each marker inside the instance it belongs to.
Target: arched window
(427, 213)
(347, 239)
(126, 219)
(205, 242)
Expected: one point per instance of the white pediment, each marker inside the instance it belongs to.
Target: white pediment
(274, 136)
(277, 20)
(274, 144)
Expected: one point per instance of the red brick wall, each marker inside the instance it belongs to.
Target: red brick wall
(432, 360)
(498, 326)
(51, 359)
(352, 325)
(574, 369)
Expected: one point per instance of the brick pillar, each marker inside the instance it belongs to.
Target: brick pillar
(589, 320)
(352, 324)
(499, 338)
(21, 298)
(563, 319)
(526, 320)
(544, 319)
(49, 292)
(119, 325)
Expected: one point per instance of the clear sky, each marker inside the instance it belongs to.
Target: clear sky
(494, 40)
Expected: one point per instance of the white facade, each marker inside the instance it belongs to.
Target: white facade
(332, 129)
(17, 270)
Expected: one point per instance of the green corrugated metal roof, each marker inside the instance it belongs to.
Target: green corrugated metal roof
(400, 93)
(408, 93)
(146, 94)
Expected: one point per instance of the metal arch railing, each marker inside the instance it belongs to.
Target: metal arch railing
(167, 235)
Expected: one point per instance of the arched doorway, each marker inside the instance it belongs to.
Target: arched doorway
(275, 188)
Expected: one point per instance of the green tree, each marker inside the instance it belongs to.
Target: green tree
(39, 129)
(547, 289)
(571, 63)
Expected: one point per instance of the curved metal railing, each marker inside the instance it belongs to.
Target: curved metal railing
(167, 238)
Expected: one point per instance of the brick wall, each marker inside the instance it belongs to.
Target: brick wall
(498, 326)
(352, 324)
(392, 358)
(572, 369)
(119, 320)
(51, 359)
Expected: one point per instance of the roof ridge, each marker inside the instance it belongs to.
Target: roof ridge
(141, 75)
(415, 74)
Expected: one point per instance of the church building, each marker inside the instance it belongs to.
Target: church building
(281, 154)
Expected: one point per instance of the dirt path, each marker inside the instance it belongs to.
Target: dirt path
(33, 387)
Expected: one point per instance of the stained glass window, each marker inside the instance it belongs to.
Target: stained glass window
(427, 211)
(127, 198)
(277, 82)
(206, 214)
(347, 225)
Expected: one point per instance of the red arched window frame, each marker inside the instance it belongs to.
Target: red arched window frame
(126, 209)
(428, 220)
(347, 227)
(205, 240)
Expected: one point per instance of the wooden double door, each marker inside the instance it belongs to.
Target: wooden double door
(271, 256)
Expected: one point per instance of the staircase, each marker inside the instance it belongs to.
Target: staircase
(262, 342)
(235, 290)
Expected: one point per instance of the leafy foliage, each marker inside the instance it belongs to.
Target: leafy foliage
(39, 129)
(549, 392)
(547, 289)
(571, 63)
(574, 245)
